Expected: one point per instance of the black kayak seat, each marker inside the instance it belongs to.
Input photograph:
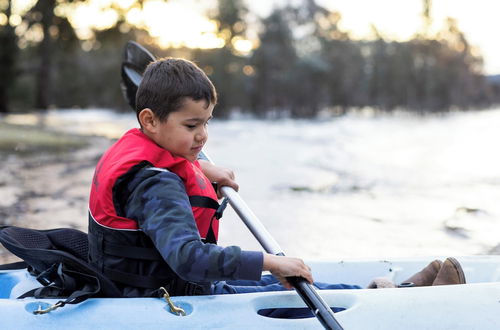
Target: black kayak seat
(42, 250)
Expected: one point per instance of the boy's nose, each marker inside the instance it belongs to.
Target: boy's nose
(201, 135)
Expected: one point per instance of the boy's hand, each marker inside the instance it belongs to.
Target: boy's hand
(223, 176)
(282, 267)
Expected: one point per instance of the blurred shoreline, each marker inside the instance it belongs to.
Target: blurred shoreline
(47, 189)
(351, 187)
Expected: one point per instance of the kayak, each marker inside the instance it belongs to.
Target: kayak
(475, 305)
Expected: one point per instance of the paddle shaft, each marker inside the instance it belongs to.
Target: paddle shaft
(306, 291)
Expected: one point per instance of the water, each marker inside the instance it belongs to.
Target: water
(355, 186)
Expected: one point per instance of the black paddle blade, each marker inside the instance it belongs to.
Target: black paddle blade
(135, 60)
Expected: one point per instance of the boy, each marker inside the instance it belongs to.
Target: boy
(148, 186)
(152, 206)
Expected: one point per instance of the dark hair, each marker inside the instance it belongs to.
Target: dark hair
(166, 84)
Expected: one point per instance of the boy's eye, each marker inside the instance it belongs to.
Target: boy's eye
(191, 126)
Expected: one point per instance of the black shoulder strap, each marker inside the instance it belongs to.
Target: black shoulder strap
(203, 201)
(14, 265)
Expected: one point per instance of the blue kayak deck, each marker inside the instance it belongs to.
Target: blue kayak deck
(470, 306)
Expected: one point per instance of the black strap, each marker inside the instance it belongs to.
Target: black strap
(14, 265)
(210, 235)
(50, 275)
(175, 286)
(43, 292)
(207, 202)
(80, 295)
(76, 297)
(125, 251)
(145, 282)
(131, 252)
(30, 293)
(63, 282)
(194, 289)
(203, 201)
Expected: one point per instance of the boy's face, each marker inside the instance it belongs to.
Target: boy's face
(185, 131)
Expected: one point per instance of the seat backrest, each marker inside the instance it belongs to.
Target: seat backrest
(70, 240)
(41, 249)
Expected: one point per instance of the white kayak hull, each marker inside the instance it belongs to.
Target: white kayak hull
(475, 305)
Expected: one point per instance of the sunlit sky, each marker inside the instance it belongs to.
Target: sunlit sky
(400, 19)
(183, 22)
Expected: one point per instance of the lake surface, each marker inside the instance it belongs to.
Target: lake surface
(355, 186)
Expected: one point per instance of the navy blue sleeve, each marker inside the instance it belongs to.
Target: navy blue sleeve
(159, 203)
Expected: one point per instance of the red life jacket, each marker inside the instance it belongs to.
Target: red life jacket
(133, 149)
(118, 249)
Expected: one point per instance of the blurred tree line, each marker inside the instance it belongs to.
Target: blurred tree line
(303, 64)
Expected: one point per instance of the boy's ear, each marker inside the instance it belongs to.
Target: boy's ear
(148, 120)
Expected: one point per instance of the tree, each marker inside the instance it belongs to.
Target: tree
(226, 64)
(274, 61)
(55, 49)
(346, 64)
(8, 55)
(45, 49)
(230, 16)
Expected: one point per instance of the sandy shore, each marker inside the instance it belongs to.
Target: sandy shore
(47, 190)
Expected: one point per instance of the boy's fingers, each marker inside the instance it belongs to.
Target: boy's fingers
(229, 183)
(308, 276)
(285, 283)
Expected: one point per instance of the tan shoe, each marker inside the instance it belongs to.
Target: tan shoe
(425, 277)
(451, 273)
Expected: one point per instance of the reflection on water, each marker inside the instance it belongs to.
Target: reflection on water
(86, 122)
(354, 186)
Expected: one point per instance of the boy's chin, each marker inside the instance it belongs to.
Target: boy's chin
(192, 158)
(197, 156)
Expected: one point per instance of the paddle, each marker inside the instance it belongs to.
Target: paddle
(136, 58)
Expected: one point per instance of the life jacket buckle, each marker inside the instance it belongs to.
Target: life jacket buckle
(47, 276)
(222, 207)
